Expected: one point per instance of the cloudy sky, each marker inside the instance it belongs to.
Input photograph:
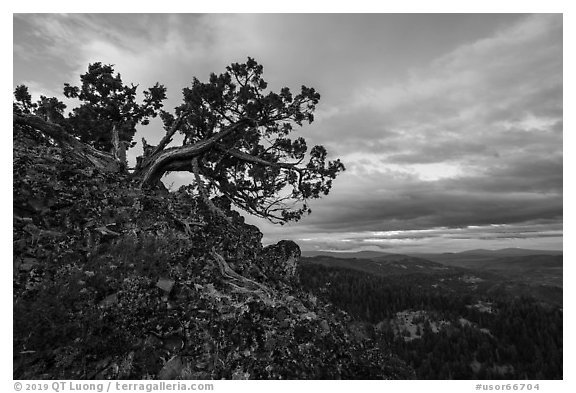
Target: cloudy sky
(450, 126)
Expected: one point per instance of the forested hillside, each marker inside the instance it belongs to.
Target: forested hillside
(447, 327)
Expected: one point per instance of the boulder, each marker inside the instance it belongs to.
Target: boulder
(279, 262)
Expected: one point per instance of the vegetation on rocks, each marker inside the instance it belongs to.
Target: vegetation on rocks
(112, 280)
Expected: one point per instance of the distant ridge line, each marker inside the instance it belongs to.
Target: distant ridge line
(481, 252)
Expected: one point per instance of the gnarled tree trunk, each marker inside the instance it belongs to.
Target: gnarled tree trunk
(154, 166)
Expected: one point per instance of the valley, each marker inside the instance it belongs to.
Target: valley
(483, 314)
(517, 272)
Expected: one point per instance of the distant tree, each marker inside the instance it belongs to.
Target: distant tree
(109, 113)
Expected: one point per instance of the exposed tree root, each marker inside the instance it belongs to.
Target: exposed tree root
(187, 224)
(239, 283)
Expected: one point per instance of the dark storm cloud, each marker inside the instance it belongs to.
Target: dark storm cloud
(429, 209)
(543, 175)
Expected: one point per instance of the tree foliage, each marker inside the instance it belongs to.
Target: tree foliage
(23, 100)
(49, 109)
(107, 103)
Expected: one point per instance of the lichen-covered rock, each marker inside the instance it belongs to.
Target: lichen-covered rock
(279, 262)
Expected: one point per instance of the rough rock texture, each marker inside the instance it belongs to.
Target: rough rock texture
(279, 262)
(113, 282)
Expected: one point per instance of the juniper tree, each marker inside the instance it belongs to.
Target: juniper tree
(237, 137)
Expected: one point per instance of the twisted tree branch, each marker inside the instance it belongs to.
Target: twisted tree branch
(179, 157)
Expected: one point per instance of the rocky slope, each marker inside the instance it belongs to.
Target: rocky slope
(114, 282)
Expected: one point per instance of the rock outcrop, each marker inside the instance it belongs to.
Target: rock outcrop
(279, 262)
(114, 282)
